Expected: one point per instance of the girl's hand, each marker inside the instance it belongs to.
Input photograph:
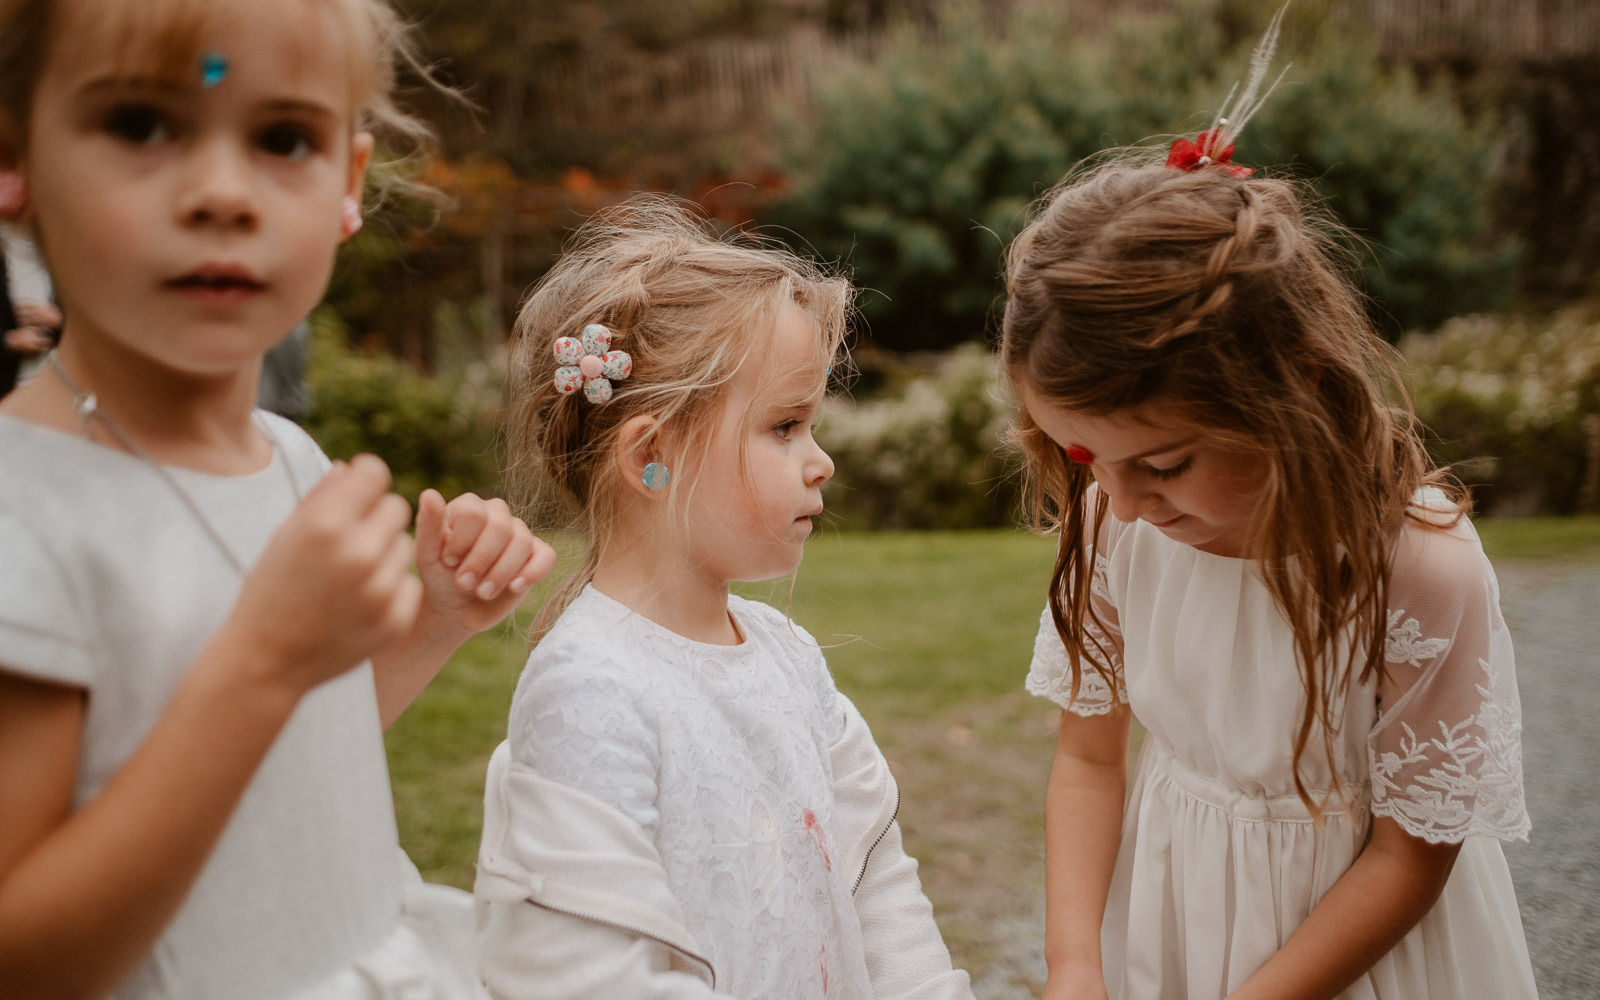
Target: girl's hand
(333, 585)
(32, 312)
(476, 560)
(1074, 981)
(28, 340)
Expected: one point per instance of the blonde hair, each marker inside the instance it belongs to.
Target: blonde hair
(165, 36)
(1220, 296)
(691, 308)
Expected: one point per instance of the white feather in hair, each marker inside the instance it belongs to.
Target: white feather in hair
(1231, 119)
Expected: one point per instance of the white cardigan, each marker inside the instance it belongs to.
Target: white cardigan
(573, 900)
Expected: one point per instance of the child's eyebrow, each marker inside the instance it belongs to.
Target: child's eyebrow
(1163, 448)
(291, 106)
(114, 82)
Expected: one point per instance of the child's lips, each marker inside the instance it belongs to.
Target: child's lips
(218, 284)
(1168, 523)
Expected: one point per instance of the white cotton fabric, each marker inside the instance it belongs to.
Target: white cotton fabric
(671, 818)
(1220, 860)
(109, 584)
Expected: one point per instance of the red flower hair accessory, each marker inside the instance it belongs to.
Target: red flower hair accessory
(1214, 146)
(1206, 151)
(1083, 456)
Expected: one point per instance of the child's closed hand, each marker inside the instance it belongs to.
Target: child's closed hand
(476, 559)
(333, 585)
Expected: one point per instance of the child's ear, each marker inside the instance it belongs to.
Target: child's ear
(638, 445)
(361, 145)
(13, 185)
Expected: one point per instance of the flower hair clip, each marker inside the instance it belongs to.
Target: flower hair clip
(590, 364)
(1204, 152)
(1214, 146)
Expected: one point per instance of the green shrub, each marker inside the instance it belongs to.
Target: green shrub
(926, 452)
(439, 432)
(918, 168)
(1514, 406)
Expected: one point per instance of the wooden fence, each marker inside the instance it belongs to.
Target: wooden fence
(723, 81)
(1488, 30)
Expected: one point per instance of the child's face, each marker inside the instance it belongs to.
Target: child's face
(1154, 466)
(188, 222)
(750, 518)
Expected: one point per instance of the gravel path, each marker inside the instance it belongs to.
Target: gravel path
(1554, 613)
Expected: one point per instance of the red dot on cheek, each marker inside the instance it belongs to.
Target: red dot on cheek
(1082, 456)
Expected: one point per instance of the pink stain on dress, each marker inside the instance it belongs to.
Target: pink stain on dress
(817, 834)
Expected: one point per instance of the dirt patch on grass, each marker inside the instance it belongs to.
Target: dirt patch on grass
(972, 784)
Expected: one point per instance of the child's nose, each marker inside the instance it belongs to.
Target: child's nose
(1129, 500)
(218, 192)
(819, 467)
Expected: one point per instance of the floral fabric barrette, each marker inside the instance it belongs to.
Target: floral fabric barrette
(590, 364)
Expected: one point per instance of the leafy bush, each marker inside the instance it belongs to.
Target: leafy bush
(925, 453)
(918, 168)
(439, 432)
(1514, 406)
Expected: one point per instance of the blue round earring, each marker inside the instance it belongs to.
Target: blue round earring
(656, 476)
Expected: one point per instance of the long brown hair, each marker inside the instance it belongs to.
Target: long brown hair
(690, 307)
(1222, 297)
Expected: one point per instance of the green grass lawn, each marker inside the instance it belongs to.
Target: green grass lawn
(931, 635)
(925, 624)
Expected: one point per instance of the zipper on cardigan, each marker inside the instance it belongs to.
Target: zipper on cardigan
(619, 925)
(881, 834)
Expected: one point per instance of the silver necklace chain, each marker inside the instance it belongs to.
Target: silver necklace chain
(87, 406)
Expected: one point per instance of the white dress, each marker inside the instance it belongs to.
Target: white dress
(1220, 860)
(714, 764)
(108, 584)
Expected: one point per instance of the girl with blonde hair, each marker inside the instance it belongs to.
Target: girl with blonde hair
(205, 627)
(685, 805)
(1257, 562)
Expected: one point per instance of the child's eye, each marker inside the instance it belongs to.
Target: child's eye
(786, 428)
(291, 142)
(140, 124)
(1172, 472)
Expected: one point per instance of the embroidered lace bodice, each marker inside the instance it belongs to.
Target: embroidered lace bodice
(720, 755)
(1205, 659)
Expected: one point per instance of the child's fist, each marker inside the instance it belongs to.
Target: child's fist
(333, 585)
(476, 559)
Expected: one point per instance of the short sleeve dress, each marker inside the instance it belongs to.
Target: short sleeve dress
(109, 584)
(1220, 860)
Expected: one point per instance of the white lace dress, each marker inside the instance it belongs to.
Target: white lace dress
(720, 755)
(1220, 861)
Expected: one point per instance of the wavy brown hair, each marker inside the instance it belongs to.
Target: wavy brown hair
(1223, 298)
(691, 307)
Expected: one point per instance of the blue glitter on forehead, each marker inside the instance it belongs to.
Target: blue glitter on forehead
(213, 69)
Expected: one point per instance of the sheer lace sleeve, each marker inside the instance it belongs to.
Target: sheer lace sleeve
(1446, 753)
(1050, 674)
(583, 722)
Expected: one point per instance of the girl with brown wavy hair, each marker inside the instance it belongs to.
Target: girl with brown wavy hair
(1257, 562)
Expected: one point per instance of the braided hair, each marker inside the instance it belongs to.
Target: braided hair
(1221, 296)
